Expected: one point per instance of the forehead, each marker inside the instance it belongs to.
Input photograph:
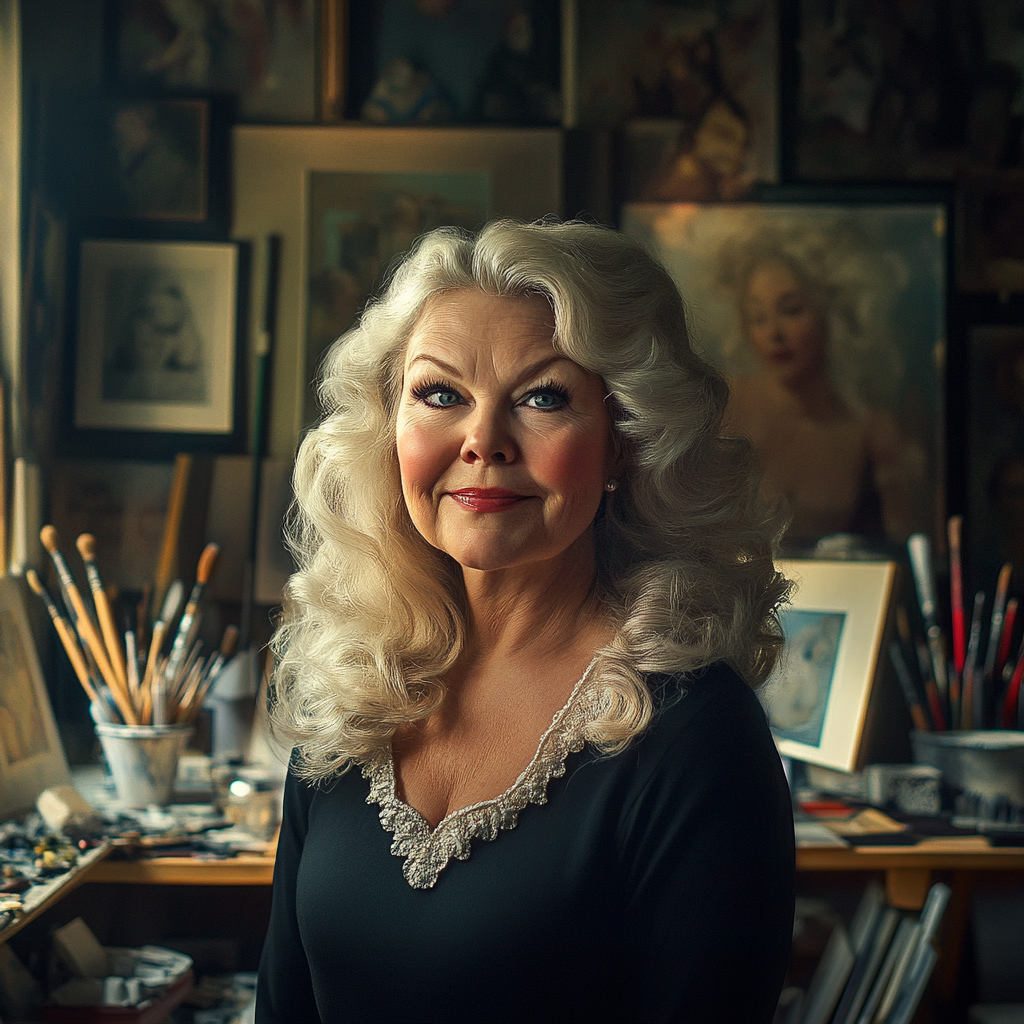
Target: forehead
(471, 321)
(773, 277)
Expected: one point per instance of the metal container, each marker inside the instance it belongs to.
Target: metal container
(143, 760)
(985, 766)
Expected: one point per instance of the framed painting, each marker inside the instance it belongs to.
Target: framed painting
(346, 200)
(835, 625)
(898, 91)
(829, 321)
(990, 230)
(31, 755)
(485, 62)
(156, 345)
(283, 60)
(995, 457)
(692, 86)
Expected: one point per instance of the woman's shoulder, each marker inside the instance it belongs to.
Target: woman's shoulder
(709, 716)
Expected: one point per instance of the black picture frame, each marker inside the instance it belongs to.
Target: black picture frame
(160, 405)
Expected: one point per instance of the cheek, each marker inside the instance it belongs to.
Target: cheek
(421, 456)
(576, 468)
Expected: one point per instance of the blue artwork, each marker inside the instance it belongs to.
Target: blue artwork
(798, 692)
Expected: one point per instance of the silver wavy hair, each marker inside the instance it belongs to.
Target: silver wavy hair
(375, 616)
(853, 283)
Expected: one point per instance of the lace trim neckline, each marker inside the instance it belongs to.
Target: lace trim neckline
(427, 851)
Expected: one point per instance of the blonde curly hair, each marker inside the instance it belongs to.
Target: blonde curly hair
(375, 616)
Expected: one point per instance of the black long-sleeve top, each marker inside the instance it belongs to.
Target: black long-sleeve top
(654, 885)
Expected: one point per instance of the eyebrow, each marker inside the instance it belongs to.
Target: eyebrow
(530, 371)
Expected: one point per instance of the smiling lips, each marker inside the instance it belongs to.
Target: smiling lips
(487, 499)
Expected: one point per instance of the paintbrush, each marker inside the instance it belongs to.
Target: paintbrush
(191, 704)
(920, 652)
(907, 685)
(971, 663)
(984, 685)
(207, 561)
(956, 593)
(920, 551)
(86, 545)
(67, 638)
(167, 613)
(86, 627)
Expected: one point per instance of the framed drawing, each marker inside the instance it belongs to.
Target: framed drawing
(890, 91)
(31, 755)
(835, 625)
(156, 346)
(265, 54)
(485, 62)
(346, 200)
(829, 320)
(693, 86)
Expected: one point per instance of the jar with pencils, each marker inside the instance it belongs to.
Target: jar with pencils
(146, 683)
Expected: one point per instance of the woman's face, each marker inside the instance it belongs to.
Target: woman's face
(504, 445)
(783, 323)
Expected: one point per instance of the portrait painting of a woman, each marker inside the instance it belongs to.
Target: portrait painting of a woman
(826, 322)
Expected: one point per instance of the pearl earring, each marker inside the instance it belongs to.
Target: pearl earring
(611, 485)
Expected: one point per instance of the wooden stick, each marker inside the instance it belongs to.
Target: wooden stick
(172, 526)
(67, 637)
(86, 545)
(48, 535)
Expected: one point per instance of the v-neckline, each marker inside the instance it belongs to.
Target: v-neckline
(428, 850)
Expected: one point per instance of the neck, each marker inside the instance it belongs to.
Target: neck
(812, 394)
(547, 606)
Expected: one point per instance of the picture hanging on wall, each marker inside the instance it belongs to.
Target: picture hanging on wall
(693, 88)
(829, 322)
(346, 200)
(156, 351)
(908, 91)
(31, 755)
(990, 232)
(485, 62)
(267, 55)
(818, 694)
(995, 514)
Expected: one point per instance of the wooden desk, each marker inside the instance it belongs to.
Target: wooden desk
(241, 870)
(908, 869)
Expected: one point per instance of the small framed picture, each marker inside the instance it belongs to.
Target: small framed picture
(31, 755)
(156, 347)
(835, 625)
(485, 62)
(265, 54)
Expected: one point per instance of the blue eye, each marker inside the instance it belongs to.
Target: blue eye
(547, 398)
(437, 395)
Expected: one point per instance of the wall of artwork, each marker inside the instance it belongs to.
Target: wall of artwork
(856, 169)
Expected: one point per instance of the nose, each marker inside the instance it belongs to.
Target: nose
(489, 438)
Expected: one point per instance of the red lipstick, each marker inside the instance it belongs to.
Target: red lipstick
(487, 499)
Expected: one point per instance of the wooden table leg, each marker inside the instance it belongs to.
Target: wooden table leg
(906, 888)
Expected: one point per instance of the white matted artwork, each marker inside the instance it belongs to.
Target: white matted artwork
(817, 697)
(31, 756)
(156, 336)
(275, 169)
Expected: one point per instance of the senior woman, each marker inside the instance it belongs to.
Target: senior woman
(531, 780)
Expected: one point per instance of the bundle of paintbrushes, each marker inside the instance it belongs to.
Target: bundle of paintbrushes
(145, 675)
(978, 684)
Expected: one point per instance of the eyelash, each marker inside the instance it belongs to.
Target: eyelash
(423, 391)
